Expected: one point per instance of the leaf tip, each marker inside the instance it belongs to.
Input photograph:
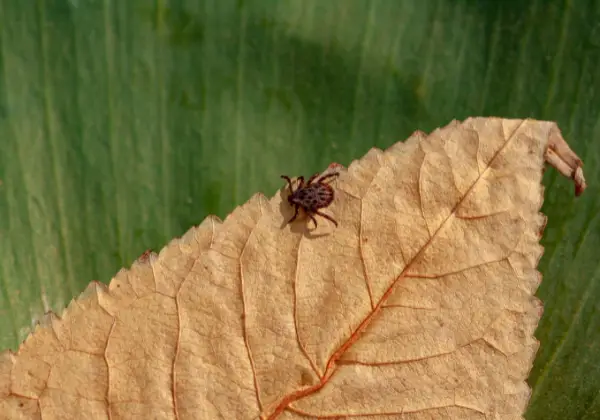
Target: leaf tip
(560, 156)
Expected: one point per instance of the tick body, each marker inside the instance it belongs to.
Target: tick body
(311, 196)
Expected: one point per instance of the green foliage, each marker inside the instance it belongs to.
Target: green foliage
(123, 123)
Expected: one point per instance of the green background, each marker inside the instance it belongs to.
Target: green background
(125, 122)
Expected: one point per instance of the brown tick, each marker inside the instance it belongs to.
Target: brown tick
(312, 196)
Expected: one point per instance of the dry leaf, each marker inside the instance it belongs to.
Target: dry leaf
(419, 306)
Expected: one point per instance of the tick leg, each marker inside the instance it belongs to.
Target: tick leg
(300, 183)
(289, 183)
(328, 176)
(293, 218)
(314, 220)
(328, 217)
(312, 178)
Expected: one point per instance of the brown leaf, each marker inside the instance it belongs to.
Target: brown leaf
(419, 306)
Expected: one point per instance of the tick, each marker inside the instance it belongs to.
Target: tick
(312, 196)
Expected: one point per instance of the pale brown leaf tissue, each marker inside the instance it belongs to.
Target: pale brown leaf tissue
(420, 305)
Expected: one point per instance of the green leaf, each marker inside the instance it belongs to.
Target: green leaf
(123, 123)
